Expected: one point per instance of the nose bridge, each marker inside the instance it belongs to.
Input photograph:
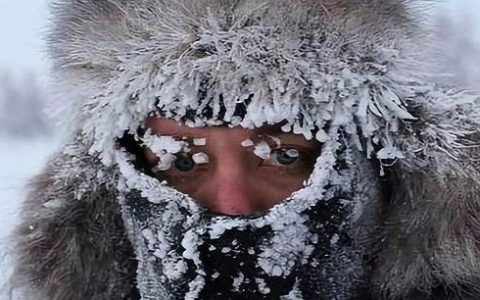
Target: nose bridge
(232, 190)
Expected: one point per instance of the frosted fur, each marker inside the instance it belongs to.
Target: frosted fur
(190, 45)
(57, 247)
(355, 64)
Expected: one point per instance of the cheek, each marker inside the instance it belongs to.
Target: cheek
(276, 187)
(189, 185)
(247, 189)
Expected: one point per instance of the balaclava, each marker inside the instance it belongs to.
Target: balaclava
(301, 247)
(340, 72)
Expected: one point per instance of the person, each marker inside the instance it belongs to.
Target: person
(287, 149)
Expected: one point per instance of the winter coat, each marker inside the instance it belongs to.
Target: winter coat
(353, 72)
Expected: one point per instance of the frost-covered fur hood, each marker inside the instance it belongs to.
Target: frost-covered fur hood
(352, 72)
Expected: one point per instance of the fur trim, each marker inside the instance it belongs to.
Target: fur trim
(72, 243)
(121, 61)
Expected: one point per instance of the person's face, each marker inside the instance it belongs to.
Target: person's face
(237, 179)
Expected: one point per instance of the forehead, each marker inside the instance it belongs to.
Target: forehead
(171, 127)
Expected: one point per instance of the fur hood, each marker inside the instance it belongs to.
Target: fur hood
(357, 65)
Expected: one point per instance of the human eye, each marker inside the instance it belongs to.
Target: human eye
(182, 166)
(289, 157)
(184, 162)
(285, 156)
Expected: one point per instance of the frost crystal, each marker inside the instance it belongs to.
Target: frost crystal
(389, 153)
(189, 243)
(247, 143)
(200, 141)
(165, 162)
(321, 136)
(165, 148)
(200, 158)
(164, 144)
(295, 294)
(334, 239)
(262, 150)
(262, 286)
(293, 153)
(237, 281)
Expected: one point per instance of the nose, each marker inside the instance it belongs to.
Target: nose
(230, 191)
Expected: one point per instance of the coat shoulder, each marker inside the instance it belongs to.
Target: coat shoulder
(71, 243)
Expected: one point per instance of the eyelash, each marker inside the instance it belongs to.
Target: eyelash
(303, 157)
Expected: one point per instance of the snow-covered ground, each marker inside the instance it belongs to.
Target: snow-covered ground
(20, 159)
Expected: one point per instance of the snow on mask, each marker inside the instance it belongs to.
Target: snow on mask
(292, 251)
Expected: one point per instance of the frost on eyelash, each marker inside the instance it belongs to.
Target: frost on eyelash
(161, 145)
(200, 158)
(165, 148)
(292, 153)
(262, 150)
(247, 143)
(200, 141)
(165, 162)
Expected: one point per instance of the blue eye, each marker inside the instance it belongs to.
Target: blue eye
(184, 162)
(286, 156)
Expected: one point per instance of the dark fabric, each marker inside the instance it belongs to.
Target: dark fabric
(234, 254)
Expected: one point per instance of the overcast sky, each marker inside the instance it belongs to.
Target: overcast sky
(23, 22)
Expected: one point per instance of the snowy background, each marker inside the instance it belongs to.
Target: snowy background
(27, 135)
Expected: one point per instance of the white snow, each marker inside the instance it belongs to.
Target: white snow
(164, 148)
(165, 162)
(262, 286)
(200, 141)
(293, 153)
(237, 281)
(164, 144)
(200, 158)
(262, 150)
(389, 152)
(247, 143)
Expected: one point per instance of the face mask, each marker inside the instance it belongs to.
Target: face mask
(306, 246)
